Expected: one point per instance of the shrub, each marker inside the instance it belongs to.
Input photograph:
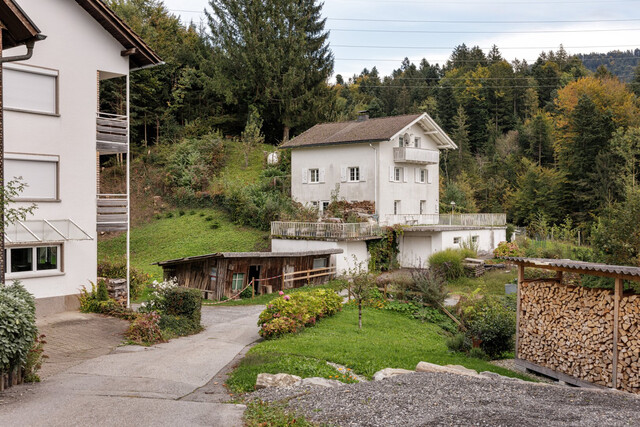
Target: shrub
(17, 326)
(491, 322)
(437, 317)
(118, 270)
(187, 302)
(506, 249)
(291, 313)
(448, 263)
(102, 294)
(430, 285)
(145, 329)
(459, 343)
(177, 326)
(478, 353)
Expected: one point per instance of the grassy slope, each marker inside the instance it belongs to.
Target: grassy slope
(492, 283)
(234, 166)
(181, 236)
(387, 340)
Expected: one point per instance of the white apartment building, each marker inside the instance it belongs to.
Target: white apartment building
(392, 162)
(54, 136)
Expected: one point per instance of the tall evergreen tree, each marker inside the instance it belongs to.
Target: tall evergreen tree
(273, 55)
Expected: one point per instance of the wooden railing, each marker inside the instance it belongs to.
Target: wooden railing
(111, 133)
(322, 230)
(416, 155)
(113, 212)
(464, 220)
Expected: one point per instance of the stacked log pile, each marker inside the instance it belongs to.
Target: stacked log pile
(629, 344)
(568, 329)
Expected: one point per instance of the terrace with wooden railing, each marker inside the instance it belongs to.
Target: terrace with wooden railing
(112, 133)
(455, 220)
(323, 230)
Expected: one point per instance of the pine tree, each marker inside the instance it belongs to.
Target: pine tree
(273, 55)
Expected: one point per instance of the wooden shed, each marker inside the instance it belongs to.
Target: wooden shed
(225, 274)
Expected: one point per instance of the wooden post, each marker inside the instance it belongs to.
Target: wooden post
(253, 288)
(308, 274)
(518, 297)
(349, 292)
(283, 273)
(385, 291)
(616, 326)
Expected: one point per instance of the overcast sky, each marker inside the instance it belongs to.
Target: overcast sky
(385, 33)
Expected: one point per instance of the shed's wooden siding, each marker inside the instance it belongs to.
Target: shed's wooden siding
(196, 274)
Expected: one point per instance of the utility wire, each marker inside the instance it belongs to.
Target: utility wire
(435, 61)
(438, 21)
(483, 48)
(358, 30)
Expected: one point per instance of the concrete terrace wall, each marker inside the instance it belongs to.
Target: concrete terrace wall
(570, 330)
(344, 261)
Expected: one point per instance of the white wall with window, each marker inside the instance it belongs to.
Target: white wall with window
(30, 89)
(38, 174)
(30, 261)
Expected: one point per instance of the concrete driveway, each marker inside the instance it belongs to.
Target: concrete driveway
(177, 383)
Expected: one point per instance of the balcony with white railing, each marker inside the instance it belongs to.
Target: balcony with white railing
(112, 133)
(322, 230)
(113, 212)
(455, 220)
(416, 155)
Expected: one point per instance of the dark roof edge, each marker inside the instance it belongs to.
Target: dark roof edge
(249, 255)
(324, 144)
(25, 16)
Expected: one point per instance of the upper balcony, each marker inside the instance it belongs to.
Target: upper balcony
(112, 133)
(419, 156)
(325, 231)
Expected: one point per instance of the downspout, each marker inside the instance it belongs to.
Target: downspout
(375, 182)
(30, 45)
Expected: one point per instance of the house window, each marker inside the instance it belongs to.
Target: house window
(396, 207)
(314, 204)
(401, 141)
(423, 175)
(423, 207)
(319, 263)
(32, 259)
(38, 173)
(456, 240)
(397, 174)
(314, 175)
(30, 89)
(325, 205)
(416, 142)
(474, 239)
(354, 174)
(237, 281)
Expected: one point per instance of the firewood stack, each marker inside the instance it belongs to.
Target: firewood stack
(629, 344)
(569, 329)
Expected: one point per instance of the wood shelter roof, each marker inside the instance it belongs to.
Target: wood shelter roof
(369, 130)
(250, 255)
(580, 267)
(18, 27)
(141, 55)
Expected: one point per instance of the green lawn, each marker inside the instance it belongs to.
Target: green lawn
(387, 340)
(492, 282)
(197, 232)
(234, 165)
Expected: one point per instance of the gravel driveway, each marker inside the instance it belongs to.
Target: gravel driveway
(441, 399)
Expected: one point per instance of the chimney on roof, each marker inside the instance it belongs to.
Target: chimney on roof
(363, 115)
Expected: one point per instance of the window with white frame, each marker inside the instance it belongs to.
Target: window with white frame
(30, 89)
(325, 205)
(314, 204)
(33, 259)
(237, 281)
(314, 175)
(475, 239)
(354, 174)
(396, 207)
(401, 141)
(416, 142)
(397, 174)
(423, 207)
(39, 174)
(423, 176)
(456, 240)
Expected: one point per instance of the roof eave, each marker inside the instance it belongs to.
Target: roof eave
(446, 143)
(325, 144)
(21, 29)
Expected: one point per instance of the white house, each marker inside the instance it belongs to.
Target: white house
(54, 135)
(392, 162)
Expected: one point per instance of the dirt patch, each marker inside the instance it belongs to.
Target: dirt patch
(74, 337)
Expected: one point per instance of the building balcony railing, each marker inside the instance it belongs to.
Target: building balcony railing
(112, 133)
(113, 212)
(459, 220)
(322, 230)
(416, 155)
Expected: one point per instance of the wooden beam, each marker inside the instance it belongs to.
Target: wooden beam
(518, 297)
(578, 271)
(129, 52)
(557, 375)
(616, 326)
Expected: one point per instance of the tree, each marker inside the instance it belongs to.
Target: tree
(361, 284)
(273, 55)
(252, 135)
(635, 83)
(536, 139)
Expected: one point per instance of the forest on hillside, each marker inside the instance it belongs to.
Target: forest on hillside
(548, 142)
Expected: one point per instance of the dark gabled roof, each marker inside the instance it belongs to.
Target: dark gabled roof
(370, 130)
(141, 55)
(581, 267)
(250, 255)
(19, 28)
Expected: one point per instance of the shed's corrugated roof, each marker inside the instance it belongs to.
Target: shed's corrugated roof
(371, 130)
(251, 255)
(622, 270)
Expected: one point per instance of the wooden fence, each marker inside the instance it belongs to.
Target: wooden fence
(324, 230)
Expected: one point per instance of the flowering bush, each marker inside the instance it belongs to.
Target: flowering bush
(145, 329)
(156, 300)
(291, 313)
(506, 249)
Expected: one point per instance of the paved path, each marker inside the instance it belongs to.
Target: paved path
(138, 386)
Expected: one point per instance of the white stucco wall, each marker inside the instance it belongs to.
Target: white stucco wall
(343, 262)
(414, 249)
(375, 162)
(77, 47)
